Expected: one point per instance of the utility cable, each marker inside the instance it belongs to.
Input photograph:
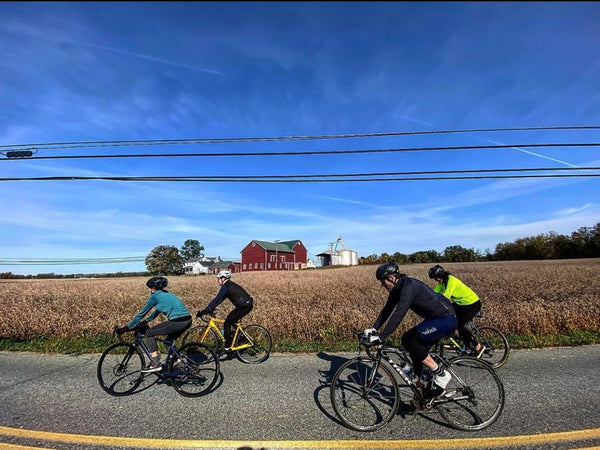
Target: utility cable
(310, 152)
(349, 177)
(121, 143)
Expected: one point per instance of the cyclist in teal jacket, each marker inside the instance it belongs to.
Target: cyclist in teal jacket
(178, 320)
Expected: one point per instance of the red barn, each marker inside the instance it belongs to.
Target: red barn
(278, 255)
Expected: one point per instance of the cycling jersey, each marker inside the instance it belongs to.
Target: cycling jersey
(166, 303)
(410, 293)
(232, 291)
(456, 291)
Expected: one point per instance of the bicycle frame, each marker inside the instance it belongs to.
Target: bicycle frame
(138, 341)
(385, 353)
(470, 325)
(214, 323)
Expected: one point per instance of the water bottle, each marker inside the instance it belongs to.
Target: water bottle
(408, 370)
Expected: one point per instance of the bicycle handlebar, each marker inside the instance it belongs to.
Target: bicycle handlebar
(363, 340)
(140, 328)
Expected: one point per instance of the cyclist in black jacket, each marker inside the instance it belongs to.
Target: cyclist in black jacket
(242, 301)
(439, 318)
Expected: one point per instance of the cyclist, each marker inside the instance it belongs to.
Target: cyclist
(466, 303)
(439, 320)
(242, 301)
(178, 320)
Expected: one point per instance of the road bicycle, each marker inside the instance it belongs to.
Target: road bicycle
(366, 394)
(251, 343)
(192, 369)
(496, 347)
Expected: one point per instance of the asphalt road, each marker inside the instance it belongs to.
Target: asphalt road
(46, 398)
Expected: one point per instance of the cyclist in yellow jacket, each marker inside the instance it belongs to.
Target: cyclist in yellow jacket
(466, 302)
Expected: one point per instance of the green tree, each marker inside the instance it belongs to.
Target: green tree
(425, 256)
(164, 260)
(191, 249)
(457, 253)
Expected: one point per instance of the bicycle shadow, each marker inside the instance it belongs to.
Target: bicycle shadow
(325, 376)
(406, 410)
(157, 379)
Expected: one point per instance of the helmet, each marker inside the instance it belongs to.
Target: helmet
(224, 274)
(158, 283)
(386, 269)
(436, 271)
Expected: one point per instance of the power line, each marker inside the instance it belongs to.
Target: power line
(70, 261)
(312, 152)
(121, 143)
(347, 177)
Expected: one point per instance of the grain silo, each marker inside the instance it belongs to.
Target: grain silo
(338, 255)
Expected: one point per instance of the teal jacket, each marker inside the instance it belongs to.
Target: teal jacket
(163, 302)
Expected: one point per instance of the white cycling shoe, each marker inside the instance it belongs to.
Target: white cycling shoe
(442, 380)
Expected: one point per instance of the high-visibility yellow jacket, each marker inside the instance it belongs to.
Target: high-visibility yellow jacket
(457, 291)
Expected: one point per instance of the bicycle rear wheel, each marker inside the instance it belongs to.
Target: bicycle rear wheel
(474, 398)
(211, 339)
(195, 371)
(119, 369)
(364, 394)
(260, 344)
(496, 345)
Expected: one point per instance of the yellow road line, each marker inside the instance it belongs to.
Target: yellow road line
(20, 447)
(480, 442)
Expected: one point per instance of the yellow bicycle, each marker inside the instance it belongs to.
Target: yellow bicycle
(251, 343)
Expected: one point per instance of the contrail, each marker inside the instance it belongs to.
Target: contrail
(529, 152)
(216, 72)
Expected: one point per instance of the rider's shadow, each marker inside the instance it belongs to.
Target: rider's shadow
(158, 380)
(325, 377)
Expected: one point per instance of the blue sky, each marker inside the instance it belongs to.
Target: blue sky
(120, 71)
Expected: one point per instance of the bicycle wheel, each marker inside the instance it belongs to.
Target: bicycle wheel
(195, 334)
(195, 370)
(474, 398)
(120, 369)
(260, 347)
(496, 345)
(364, 394)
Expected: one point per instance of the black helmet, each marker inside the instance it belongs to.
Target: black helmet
(436, 271)
(386, 269)
(158, 283)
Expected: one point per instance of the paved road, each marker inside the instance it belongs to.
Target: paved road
(285, 399)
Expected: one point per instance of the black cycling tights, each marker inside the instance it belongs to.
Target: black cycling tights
(417, 347)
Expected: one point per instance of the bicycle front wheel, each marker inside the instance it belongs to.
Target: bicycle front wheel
(195, 370)
(119, 369)
(260, 344)
(196, 334)
(496, 345)
(474, 398)
(364, 394)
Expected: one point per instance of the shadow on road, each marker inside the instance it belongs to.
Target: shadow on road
(325, 377)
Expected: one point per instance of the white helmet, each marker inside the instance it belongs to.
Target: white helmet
(224, 274)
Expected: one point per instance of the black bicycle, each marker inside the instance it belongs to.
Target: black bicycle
(495, 346)
(192, 369)
(366, 394)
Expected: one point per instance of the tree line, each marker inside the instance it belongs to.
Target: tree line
(583, 243)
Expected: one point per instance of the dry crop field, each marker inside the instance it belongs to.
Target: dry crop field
(319, 305)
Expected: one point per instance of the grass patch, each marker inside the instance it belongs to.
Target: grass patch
(97, 344)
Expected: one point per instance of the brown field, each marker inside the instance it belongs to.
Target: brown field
(322, 305)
